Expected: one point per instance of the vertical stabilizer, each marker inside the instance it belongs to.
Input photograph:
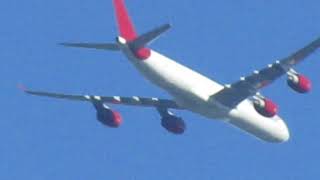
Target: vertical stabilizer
(125, 24)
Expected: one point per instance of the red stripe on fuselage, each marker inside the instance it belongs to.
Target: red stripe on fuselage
(125, 24)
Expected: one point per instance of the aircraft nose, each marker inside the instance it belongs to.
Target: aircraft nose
(283, 134)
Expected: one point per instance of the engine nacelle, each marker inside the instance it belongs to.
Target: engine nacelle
(265, 107)
(108, 117)
(299, 83)
(173, 124)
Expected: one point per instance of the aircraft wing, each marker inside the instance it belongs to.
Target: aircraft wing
(248, 86)
(132, 101)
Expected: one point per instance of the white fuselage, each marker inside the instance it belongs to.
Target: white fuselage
(192, 91)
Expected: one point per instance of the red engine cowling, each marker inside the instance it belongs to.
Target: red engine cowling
(266, 107)
(299, 83)
(109, 117)
(173, 124)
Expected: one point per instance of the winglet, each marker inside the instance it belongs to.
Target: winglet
(125, 24)
(22, 87)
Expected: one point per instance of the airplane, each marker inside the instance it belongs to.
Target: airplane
(239, 104)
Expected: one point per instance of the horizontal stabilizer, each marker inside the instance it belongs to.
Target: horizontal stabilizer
(101, 46)
(149, 37)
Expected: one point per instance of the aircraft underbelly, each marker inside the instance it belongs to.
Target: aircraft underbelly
(190, 89)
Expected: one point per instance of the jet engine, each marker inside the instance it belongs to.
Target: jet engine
(107, 116)
(265, 107)
(299, 83)
(173, 124)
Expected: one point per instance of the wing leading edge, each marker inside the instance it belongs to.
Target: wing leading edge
(132, 101)
(248, 86)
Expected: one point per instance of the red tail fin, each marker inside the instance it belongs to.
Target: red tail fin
(125, 24)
